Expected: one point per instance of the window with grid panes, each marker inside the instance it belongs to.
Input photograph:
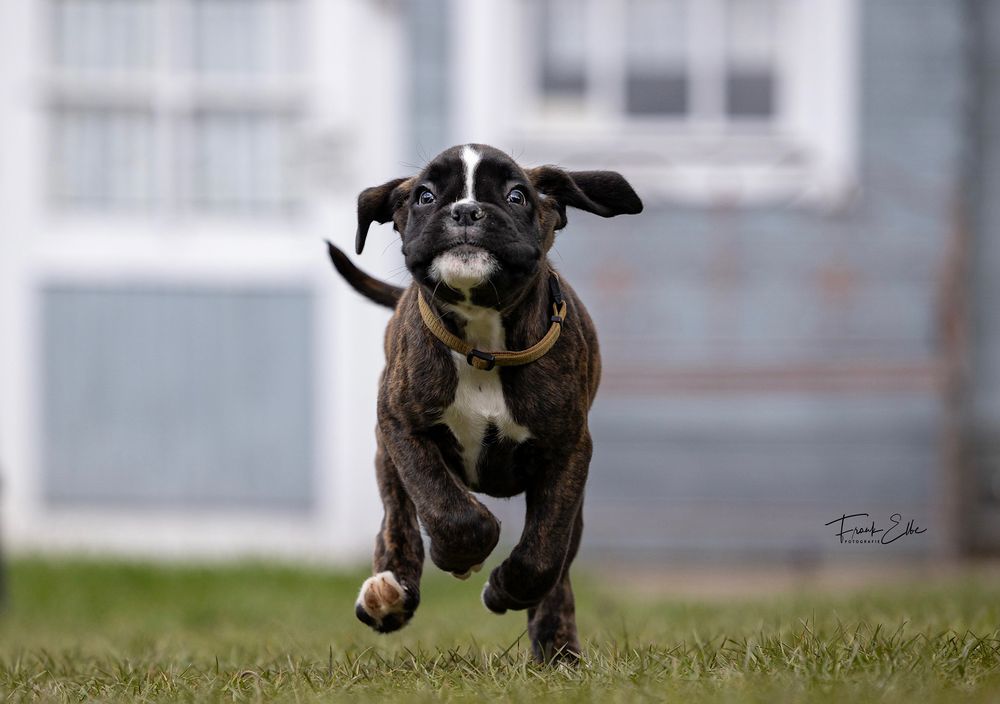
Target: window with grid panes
(676, 60)
(167, 106)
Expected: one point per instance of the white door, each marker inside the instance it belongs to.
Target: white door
(180, 369)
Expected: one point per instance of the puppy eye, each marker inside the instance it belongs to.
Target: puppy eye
(516, 197)
(425, 198)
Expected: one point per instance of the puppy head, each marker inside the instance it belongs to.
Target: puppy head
(478, 223)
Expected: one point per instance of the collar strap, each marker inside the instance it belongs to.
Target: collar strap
(488, 360)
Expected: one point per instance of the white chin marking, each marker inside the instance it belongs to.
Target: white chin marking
(463, 270)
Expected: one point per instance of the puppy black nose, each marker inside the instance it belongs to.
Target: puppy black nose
(466, 213)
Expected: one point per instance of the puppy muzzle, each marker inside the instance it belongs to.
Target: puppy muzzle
(464, 266)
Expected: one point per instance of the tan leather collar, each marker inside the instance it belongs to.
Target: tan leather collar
(487, 360)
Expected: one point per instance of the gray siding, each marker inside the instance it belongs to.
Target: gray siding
(986, 259)
(780, 285)
(177, 397)
(985, 264)
(768, 369)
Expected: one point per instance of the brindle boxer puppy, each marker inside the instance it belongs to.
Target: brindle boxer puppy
(476, 229)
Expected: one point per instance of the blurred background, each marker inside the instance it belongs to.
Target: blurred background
(802, 324)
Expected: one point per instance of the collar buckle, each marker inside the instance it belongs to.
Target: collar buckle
(484, 356)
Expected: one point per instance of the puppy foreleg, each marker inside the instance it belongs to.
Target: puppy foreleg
(389, 597)
(536, 563)
(463, 532)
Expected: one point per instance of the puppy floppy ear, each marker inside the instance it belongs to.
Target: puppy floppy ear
(605, 193)
(381, 204)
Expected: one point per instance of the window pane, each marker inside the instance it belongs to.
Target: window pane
(101, 157)
(749, 94)
(656, 95)
(102, 34)
(656, 66)
(563, 46)
(245, 36)
(242, 161)
(751, 34)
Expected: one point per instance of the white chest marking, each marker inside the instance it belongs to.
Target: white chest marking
(479, 400)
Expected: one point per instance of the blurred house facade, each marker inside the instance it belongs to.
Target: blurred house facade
(798, 326)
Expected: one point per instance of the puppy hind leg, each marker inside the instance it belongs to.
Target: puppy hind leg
(552, 624)
(388, 599)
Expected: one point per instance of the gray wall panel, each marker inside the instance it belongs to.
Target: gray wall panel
(787, 283)
(986, 254)
(985, 288)
(178, 397)
(685, 287)
(718, 287)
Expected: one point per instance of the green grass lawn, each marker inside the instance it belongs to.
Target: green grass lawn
(84, 630)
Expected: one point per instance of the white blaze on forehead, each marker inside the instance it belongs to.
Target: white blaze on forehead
(470, 157)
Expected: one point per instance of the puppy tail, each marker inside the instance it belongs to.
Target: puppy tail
(368, 286)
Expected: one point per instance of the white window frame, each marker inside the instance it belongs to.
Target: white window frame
(806, 153)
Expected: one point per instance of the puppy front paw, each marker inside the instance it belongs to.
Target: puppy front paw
(462, 543)
(493, 600)
(468, 573)
(384, 603)
(514, 586)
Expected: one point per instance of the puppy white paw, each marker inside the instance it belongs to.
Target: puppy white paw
(381, 603)
(468, 572)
